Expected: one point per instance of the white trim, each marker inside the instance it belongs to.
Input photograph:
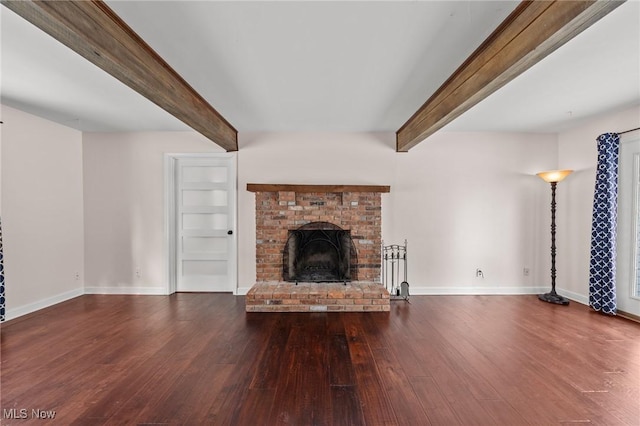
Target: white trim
(170, 215)
(576, 297)
(149, 291)
(242, 291)
(627, 231)
(635, 202)
(43, 303)
(169, 220)
(494, 291)
(474, 291)
(629, 137)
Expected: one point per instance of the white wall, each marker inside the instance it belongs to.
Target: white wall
(94, 204)
(42, 213)
(462, 200)
(472, 200)
(306, 158)
(124, 206)
(577, 150)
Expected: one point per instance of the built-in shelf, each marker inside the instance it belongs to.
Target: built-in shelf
(274, 187)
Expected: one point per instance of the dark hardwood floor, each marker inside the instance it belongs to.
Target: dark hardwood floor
(199, 359)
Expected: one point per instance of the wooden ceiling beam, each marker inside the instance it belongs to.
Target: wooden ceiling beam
(93, 30)
(531, 32)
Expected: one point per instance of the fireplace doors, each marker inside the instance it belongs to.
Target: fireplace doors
(319, 252)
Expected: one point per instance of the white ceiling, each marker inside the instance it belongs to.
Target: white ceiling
(322, 66)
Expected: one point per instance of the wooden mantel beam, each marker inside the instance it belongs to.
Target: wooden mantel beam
(93, 30)
(275, 187)
(531, 32)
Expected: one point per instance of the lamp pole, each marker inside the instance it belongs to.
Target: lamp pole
(553, 177)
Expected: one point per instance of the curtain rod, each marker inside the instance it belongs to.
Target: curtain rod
(628, 131)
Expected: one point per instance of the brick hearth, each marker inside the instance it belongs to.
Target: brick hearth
(354, 208)
(317, 297)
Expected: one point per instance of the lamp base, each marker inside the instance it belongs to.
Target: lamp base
(553, 297)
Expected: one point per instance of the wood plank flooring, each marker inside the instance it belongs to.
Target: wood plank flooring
(199, 359)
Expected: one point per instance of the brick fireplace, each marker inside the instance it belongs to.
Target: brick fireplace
(284, 209)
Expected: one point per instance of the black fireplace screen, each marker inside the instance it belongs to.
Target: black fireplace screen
(319, 252)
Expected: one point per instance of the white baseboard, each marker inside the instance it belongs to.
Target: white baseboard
(41, 304)
(150, 291)
(580, 298)
(444, 291)
(242, 291)
(473, 291)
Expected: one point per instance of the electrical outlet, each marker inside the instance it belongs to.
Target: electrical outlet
(137, 272)
(525, 271)
(77, 276)
(479, 273)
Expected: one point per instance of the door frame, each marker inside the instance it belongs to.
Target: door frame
(627, 233)
(170, 209)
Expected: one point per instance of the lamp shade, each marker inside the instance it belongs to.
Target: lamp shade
(554, 175)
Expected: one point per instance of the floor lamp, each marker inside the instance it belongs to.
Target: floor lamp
(553, 177)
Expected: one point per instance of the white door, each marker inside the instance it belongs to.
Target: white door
(628, 238)
(205, 239)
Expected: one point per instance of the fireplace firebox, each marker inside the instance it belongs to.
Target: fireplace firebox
(319, 252)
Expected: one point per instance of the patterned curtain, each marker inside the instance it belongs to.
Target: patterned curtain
(1, 277)
(602, 270)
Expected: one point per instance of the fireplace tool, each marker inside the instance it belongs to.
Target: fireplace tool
(394, 271)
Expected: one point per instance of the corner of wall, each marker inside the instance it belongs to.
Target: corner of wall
(42, 212)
